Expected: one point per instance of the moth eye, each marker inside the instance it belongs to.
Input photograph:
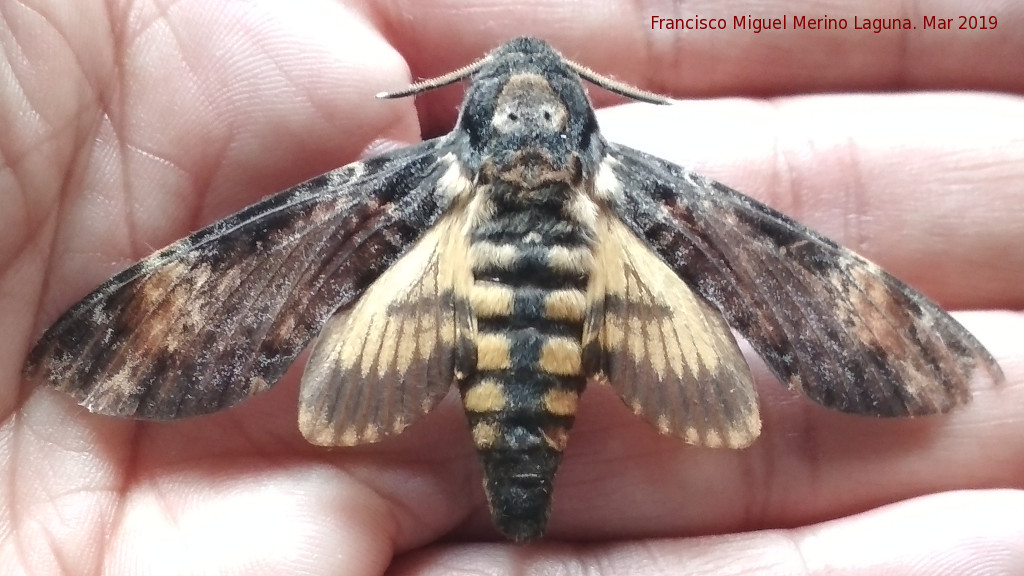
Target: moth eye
(547, 115)
(512, 116)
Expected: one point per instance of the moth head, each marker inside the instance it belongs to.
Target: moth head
(527, 119)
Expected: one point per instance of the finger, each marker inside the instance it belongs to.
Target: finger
(235, 516)
(441, 36)
(235, 493)
(927, 185)
(942, 535)
(204, 112)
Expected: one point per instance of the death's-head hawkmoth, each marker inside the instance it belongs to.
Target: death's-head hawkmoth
(517, 258)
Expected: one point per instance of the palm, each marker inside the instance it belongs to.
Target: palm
(130, 140)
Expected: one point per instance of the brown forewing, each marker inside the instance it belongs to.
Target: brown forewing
(830, 323)
(219, 316)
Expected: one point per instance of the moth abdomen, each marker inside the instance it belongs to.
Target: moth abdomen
(529, 300)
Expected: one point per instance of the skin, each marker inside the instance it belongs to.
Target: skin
(127, 125)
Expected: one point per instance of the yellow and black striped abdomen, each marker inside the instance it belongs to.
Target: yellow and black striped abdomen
(528, 297)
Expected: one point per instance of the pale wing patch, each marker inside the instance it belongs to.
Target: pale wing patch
(667, 352)
(388, 359)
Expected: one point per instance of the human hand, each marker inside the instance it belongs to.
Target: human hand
(124, 131)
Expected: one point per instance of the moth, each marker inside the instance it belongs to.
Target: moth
(518, 258)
